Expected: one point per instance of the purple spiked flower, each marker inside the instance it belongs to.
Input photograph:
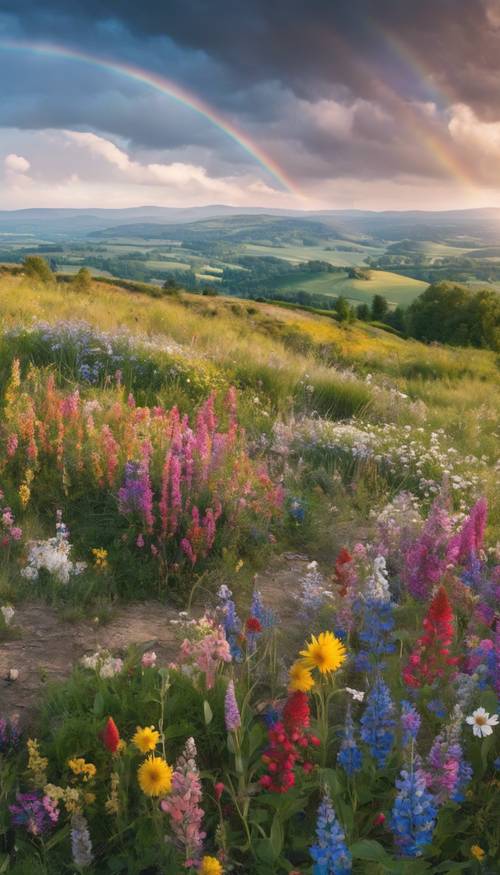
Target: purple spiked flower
(231, 710)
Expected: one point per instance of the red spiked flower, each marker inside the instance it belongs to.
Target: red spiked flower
(431, 658)
(111, 736)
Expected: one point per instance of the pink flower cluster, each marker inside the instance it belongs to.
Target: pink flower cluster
(207, 654)
(183, 805)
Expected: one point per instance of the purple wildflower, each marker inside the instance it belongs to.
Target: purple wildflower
(34, 812)
(81, 845)
(410, 722)
(231, 710)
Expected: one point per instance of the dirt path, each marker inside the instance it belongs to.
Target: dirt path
(48, 647)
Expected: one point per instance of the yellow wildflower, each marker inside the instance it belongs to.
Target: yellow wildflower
(100, 558)
(155, 776)
(477, 852)
(210, 866)
(79, 767)
(24, 494)
(301, 678)
(37, 764)
(146, 739)
(112, 803)
(325, 652)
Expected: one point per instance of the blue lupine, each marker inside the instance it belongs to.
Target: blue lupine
(414, 813)
(330, 853)
(465, 773)
(349, 756)
(266, 617)
(231, 622)
(410, 722)
(375, 634)
(377, 723)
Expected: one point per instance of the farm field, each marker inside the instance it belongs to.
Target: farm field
(396, 288)
(328, 252)
(249, 568)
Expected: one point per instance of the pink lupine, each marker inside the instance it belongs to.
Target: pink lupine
(209, 528)
(111, 449)
(187, 548)
(427, 558)
(183, 805)
(468, 542)
(12, 444)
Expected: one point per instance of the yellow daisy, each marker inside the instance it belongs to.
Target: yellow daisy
(301, 678)
(146, 739)
(155, 776)
(210, 866)
(326, 653)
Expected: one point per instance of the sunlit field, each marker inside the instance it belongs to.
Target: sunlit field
(157, 453)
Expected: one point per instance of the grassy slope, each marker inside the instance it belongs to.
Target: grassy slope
(396, 288)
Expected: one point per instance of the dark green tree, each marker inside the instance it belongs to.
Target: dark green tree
(363, 312)
(380, 308)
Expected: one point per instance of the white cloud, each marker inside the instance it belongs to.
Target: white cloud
(469, 131)
(16, 163)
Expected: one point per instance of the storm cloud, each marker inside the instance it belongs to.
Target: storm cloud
(393, 94)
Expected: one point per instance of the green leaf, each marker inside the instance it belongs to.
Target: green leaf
(265, 851)
(207, 713)
(277, 836)
(367, 849)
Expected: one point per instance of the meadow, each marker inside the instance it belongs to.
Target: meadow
(162, 451)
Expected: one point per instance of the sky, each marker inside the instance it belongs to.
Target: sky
(307, 104)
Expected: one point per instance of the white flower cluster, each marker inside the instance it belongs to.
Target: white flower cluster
(377, 585)
(313, 592)
(7, 613)
(52, 555)
(402, 451)
(103, 663)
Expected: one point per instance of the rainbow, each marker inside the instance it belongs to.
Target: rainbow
(169, 88)
(437, 144)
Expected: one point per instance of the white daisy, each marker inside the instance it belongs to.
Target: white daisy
(481, 722)
(357, 695)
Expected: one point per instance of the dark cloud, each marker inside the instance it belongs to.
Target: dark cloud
(333, 88)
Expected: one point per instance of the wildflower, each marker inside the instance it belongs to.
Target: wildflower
(37, 764)
(379, 819)
(265, 616)
(481, 722)
(79, 767)
(330, 853)
(375, 634)
(155, 776)
(100, 558)
(146, 739)
(112, 803)
(183, 804)
(377, 723)
(300, 678)
(357, 695)
(430, 659)
(349, 756)
(414, 813)
(312, 593)
(252, 624)
(24, 494)
(231, 621)
(81, 845)
(325, 652)
(477, 852)
(231, 710)
(345, 574)
(111, 736)
(219, 788)
(35, 812)
(377, 586)
(9, 735)
(410, 722)
(148, 659)
(426, 559)
(210, 866)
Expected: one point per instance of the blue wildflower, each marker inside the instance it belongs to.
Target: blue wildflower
(414, 813)
(464, 778)
(376, 633)
(410, 722)
(377, 723)
(330, 853)
(231, 622)
(297, 510)
(436, 707)
(266, 616)
(349, 756)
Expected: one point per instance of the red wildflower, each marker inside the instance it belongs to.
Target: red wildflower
(379, 819)
(287, 744)
(296, 711)
(431, 658)
(111, 736)
(253, 625)
(344, 571)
